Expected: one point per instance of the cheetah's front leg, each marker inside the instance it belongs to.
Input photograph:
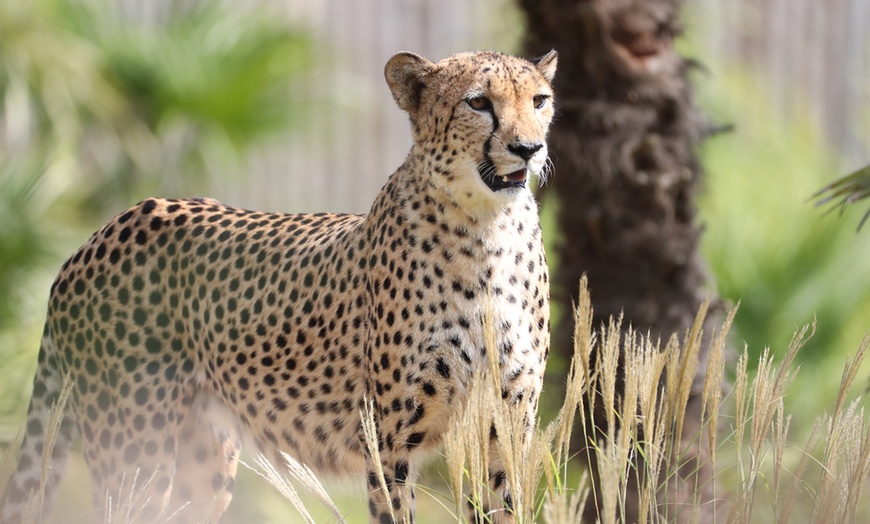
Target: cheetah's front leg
(394, 469)
(497, 506)
(498, 502)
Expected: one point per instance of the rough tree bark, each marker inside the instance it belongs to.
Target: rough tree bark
(626, 171)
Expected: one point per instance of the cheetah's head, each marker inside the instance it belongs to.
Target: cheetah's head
(479, 119)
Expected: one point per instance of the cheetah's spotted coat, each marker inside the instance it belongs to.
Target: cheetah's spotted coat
(186, 325)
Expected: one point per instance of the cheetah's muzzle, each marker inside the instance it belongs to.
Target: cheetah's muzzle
(516, 179)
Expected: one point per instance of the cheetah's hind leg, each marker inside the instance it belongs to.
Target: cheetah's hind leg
(207, 457)
(178, 466)
(29, 496)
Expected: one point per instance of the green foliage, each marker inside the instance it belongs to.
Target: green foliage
(21, 233)
(133, 107)
(847, 190)
(100, 108)
(221, 70)
(768, 246)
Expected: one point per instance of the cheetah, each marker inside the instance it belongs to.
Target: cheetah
(187, 327)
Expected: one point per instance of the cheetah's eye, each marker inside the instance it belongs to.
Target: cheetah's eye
(540, 100)
(479, 103)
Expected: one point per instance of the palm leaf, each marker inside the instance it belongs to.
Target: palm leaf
(844, 191)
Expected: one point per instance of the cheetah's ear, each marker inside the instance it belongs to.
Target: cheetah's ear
(547, 64)
(406, 75)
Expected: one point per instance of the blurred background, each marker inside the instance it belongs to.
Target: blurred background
(281, 105)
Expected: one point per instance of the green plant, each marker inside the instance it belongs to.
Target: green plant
(845, 191)
(767, 245)
(101, 108)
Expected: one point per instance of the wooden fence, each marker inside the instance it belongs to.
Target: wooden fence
(814, 55)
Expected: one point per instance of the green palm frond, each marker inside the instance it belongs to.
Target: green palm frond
(102, 103)
(24, 242)
(220, 67)
(844, 191)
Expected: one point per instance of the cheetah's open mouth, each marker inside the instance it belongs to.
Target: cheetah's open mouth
(499, 182)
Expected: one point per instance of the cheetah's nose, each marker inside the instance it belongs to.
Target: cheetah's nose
(524, 151)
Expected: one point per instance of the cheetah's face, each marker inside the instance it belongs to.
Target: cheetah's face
(481, 119)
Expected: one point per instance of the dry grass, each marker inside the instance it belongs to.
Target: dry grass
(748, 453)
(8, 461)
(757, 471)
(281, 480)
(32, 511)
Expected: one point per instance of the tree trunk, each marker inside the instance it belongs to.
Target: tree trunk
(626, 171)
